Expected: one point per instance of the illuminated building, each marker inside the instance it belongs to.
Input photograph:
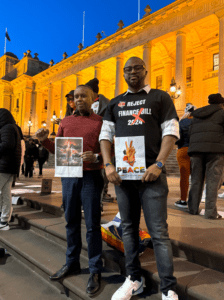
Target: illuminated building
(184, 40)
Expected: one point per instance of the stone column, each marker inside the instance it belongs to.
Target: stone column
(220, 15)
(198, 77)
(167, 73)
(26, 110)
(147, 52)
(39, 109)
(79, 79)
(49, 107)
(33, 114)
(119, 74)
(180, 79)
(63, 101)
(97, 74)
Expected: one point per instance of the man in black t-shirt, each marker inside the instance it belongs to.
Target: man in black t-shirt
(145, 120)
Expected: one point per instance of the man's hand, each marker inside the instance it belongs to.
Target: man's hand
(152, 173)
(88, 156)
(57, 121)
(112, 175)
(42, 134)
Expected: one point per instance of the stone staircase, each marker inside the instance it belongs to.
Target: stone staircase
(172, 168)
(36, 247)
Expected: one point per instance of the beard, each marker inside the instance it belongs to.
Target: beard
(135, 85)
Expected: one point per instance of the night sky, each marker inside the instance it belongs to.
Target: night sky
(51, 27)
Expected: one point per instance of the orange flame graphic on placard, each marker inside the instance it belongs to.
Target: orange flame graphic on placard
(130, 154)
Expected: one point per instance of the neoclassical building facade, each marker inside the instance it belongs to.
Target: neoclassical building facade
(184, 40)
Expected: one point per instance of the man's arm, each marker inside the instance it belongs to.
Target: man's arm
(110, 170)
(153, 172)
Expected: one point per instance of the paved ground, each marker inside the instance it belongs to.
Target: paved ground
(110, 209)
(55, 197)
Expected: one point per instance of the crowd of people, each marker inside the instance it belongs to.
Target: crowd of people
(149, 119)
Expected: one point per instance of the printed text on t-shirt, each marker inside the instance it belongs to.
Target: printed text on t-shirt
(136, 114)
(138, 102)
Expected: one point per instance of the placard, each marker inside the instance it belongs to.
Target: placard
(68, 161)
(130, 157)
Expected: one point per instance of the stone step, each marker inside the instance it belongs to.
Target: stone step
(185, 271)
(20, 282)
(53, 228)
(45, 257)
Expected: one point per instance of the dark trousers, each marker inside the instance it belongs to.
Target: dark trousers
(23, 171)
(210, 167)
(29, 167)
(41, 162)
(84, 191)
(152, 196)
(105, 183)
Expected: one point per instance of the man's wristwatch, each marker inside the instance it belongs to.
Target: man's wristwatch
(159, 164)
(106, 165)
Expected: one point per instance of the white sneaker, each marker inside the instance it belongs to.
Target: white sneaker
(221, 195)
(128, 289)
(170, 296)
(4, 226)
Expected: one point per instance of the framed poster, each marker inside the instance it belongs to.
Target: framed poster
(68, 161)
(130, 157)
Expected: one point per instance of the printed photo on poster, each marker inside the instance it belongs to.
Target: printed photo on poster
(130, 157)
(68, 161)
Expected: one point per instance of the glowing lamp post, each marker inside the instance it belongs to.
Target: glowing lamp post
(53, 119)
(174, 91)
(44, 125)
(30, 124)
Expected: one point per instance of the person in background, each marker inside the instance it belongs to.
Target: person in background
(42, 158)
(31, 155)
(70, 106)
(206, 149)
(26, 142)
(99, 107)
(182, 156)
(10, 158)
(23, 149)
(70, 109)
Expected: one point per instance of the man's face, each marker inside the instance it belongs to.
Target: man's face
(135, 73)
(83, 99)
(70, 100)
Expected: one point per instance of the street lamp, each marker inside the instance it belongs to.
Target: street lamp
(30, 124)
(44, 124)
(53, 119)
(174, 91)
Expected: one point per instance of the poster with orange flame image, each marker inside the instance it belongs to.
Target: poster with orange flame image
(130, 157)
(68, 161)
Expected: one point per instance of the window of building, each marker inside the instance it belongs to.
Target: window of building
(188, 74)
(17, 103)
(159, 82)
(216, 61)
(45, 104)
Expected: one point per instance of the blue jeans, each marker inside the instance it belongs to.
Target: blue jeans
(152, 196)
(84, 191)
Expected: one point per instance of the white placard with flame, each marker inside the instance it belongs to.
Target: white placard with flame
(68, 161)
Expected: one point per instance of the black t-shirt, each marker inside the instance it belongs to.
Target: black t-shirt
(141, 114)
